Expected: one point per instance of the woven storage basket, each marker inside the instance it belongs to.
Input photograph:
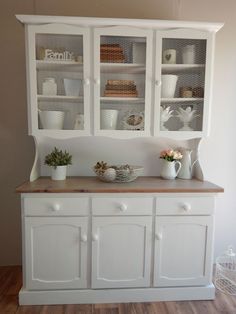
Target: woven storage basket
(225, 279)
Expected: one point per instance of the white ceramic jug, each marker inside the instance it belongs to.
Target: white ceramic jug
(169, 170)
(186, 164)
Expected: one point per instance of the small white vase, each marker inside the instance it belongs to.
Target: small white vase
(168, 170)
(58, 173)
(109, 119)
(168, 85)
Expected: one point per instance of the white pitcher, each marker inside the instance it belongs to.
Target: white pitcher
(169, 170)
(186, 164)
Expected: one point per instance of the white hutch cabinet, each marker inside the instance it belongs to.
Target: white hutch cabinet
(86, 241)
(118, 76)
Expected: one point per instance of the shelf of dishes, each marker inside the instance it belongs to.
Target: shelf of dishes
(110, 119)
(182, 68)
(190, 89)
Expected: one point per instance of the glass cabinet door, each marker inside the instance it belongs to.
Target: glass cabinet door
(59, 80)
(122, 72)
(182, 83)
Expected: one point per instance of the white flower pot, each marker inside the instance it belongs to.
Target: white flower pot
(52, 120)
(109, 119)
(58, 173)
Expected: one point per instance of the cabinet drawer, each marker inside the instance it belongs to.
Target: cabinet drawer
(185, 205)
(56, 206)
(122, 206)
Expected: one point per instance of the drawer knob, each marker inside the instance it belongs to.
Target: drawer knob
(123, 207)
(56, 207)
(84, 238)
(158, 236)
(95, 237)
(186, 207)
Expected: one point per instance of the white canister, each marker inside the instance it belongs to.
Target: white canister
(169, 56)
(188, 54)
(168, 85)
(49, 86)
(109, 119)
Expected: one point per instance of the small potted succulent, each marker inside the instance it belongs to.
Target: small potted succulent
(58, 161)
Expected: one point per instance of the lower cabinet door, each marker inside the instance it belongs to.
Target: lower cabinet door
(121, 251)
(55, 252)
(183, 251)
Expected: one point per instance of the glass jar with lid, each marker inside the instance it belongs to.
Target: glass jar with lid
(49, 86)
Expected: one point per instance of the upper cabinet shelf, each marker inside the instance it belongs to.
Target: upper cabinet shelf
(59, 65)
(182, 68)
(129, 68)
(182, 100)
(118, 77)
(59, 98)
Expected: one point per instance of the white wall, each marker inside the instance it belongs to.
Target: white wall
(219, 150)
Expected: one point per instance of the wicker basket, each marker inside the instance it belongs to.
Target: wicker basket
(122, 174)
(225, 279)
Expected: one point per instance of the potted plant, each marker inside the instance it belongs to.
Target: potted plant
(58, 161)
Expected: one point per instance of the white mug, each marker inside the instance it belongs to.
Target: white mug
(169, 56)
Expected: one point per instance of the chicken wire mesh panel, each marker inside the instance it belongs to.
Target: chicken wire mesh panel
(183, 77)
(122, 78)
(225, 278)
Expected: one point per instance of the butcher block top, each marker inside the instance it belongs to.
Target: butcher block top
(140, 185)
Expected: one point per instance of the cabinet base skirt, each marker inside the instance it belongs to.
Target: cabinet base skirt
(116, 295)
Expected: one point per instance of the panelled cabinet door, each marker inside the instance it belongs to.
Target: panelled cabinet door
(58, 65)
(121, 252)
(184, 61)
(123, 77)
(183, 251)
(56, 252)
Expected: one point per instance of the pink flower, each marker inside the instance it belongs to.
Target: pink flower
(170, 155)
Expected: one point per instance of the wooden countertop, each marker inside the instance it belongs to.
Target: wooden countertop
(140, 185)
